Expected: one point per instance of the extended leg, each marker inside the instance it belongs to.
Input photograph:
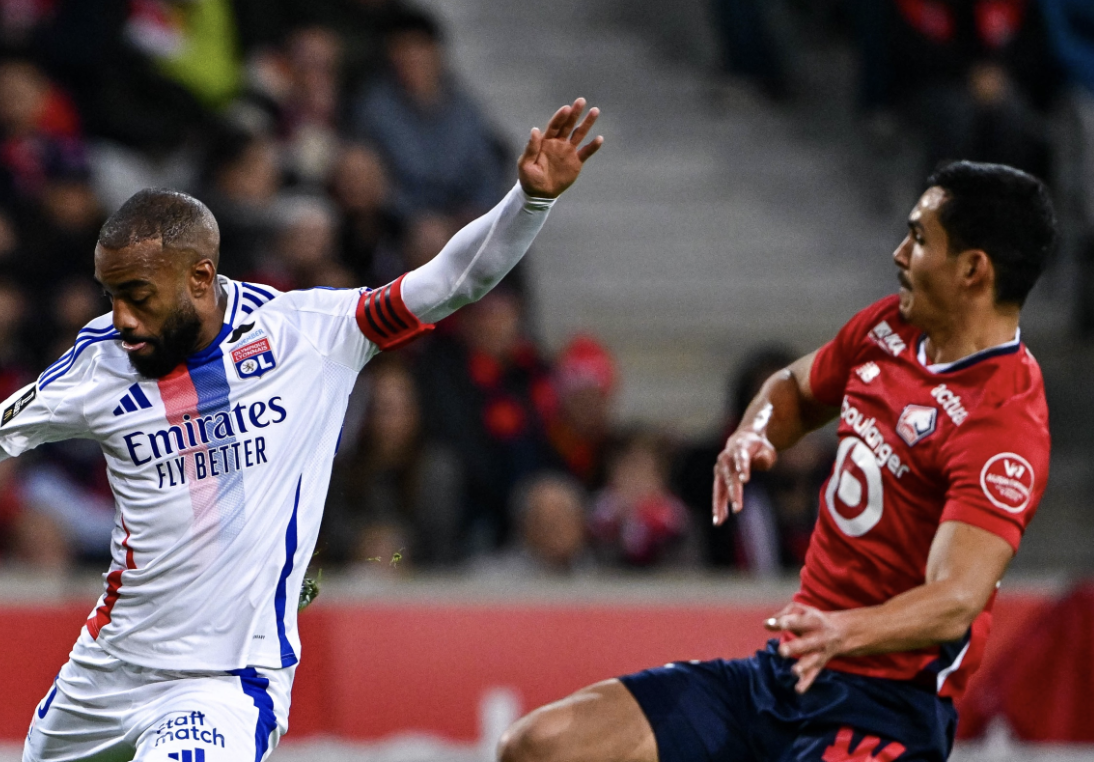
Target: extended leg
(601, 723)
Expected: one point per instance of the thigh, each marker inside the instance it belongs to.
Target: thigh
(601, 723)
(229, 718)
(81, 717)
(703, 711)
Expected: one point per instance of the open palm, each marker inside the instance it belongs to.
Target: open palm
(552, 160)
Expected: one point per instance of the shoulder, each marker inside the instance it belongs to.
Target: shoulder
(95, 339)
(245, 298)
(319, 300)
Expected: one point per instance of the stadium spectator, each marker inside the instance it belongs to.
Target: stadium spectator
(295, 91)
(396, 490)
(40, 128)
(972, 76)
(66, 486)
(1070, 25)
(370, 232)
(782, 502)
(485, 390)
(636, 522)
(748, 48)
(548, 510)
(243, 183)
(584, 381)
(304, 254)
(146, 77)
(434, 138)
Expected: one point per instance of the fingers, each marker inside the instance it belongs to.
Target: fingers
(557, 123)
(727, 488)
(591, 148)
(586, 124)
(721, 497)
(807, 669)
(532, 149)
(575, 114)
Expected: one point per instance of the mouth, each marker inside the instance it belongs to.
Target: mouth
(904, 282)
(133, 346)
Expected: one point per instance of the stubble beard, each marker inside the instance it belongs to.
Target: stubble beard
(178, 341)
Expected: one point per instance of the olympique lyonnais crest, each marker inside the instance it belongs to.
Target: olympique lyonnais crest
(916, 423)
(254, 359)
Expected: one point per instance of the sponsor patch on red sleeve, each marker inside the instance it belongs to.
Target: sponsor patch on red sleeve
(1007, 480)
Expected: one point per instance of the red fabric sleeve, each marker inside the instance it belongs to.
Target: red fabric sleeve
(997, 468)
(385, 319)
(834, 361)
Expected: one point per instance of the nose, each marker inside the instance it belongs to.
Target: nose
(902, 252)
(125, 321)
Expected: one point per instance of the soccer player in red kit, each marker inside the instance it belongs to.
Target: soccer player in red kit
(943, 456)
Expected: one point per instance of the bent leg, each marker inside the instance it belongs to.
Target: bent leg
(601, 723)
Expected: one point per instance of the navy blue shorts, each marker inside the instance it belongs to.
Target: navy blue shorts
(747, 711)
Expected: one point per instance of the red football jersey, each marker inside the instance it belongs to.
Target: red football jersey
(919, 444)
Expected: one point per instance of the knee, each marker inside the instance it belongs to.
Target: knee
(534, 738)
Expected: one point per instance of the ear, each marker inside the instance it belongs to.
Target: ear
(975, 269)
(203, 278)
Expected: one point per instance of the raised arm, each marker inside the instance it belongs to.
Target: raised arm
(782, 412)
(481, 254)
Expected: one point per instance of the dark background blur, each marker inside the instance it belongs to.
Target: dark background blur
(760, 162)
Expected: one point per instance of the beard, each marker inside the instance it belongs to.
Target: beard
(178, 340)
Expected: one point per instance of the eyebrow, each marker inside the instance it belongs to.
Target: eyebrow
(917, 226)
(128, 285)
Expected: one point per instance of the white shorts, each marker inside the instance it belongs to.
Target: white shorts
(103, 708)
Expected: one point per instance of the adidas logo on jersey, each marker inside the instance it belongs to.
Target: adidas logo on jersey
(951, 403)
(884, 336)
(868, 372)
(133, 400)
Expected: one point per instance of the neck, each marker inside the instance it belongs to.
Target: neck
(213, 321)
(971, 334)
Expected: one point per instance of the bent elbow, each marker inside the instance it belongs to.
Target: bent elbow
(963, 612)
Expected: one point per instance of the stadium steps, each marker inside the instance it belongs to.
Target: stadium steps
(701, 231)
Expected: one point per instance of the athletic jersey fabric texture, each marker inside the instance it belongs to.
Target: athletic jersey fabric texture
(919, 445)
(220, 469)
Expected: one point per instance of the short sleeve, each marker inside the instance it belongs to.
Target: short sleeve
(48, 410)
(996, 471)
(327, 319)
(834, 361)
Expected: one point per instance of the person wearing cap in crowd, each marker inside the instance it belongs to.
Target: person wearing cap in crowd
(584, 381)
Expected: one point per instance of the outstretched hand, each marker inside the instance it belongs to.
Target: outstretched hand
(552, 160)
(748, 447)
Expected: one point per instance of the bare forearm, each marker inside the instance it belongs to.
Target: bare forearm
(782, 411)
(924, 616)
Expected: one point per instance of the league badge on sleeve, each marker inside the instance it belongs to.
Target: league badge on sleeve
(916, 422)
(20, 404)
(254, 358)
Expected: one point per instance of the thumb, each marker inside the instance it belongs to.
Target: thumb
(531, 150)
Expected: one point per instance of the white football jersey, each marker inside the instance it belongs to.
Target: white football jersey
(219, 469)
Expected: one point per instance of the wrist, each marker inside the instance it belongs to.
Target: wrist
(537, 199)
(853, 631)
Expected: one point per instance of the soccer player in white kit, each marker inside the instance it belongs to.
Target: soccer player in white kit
(218, 406)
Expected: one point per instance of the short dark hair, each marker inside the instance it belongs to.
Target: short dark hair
(177, 219)
(410, 20)
(1004, 212)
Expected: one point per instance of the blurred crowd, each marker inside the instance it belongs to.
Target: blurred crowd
(1008, 81)
(337, 148)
